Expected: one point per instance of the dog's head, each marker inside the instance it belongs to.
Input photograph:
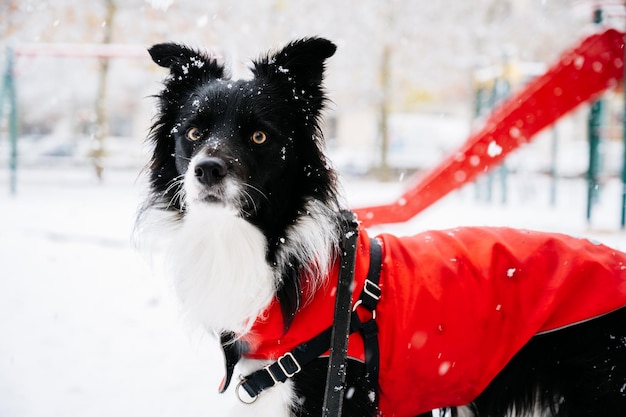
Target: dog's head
(250, 145)
(253, 149)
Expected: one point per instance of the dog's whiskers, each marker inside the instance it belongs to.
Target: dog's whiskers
(180, 192)
(257, 190)
(180, 195)
(248, 197)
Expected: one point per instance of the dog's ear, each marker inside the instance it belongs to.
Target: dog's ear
(185, 62)
(301, 61)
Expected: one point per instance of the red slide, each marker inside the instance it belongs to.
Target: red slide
(580, 75)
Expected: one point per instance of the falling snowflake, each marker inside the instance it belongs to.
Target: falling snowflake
(444, 367)
(160, 4)
(493, 149)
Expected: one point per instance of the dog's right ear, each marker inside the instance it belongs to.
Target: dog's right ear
(185, 62)
(301, 61)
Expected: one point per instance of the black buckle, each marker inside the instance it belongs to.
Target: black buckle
(372, 290)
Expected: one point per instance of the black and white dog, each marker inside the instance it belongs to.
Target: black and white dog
(239, 172)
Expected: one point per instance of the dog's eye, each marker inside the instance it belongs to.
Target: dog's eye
(194, 134)
(259, 137)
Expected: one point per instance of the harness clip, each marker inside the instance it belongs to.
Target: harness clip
(372, 289)
(358, 303)
(245, 399)
(296, 365)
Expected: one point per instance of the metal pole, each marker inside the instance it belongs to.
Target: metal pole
(12, 125)
(385, 107)
(494, 98)
(595, 117)
(7, 94)
(553, 165)
(595, 120)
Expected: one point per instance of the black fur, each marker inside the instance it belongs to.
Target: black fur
(284, 99)
(579, 371)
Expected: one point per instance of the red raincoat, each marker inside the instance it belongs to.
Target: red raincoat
(456, 306)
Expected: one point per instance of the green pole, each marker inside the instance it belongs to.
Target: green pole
(481, 98)
(12, 123)
(8, 94)
(595, 121)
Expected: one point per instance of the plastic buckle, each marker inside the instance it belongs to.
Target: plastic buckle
(289, 355)
(372, 289)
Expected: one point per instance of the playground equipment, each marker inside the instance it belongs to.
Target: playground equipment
(580, 75)
(8, 89)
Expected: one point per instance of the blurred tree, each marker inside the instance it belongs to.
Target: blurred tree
(101, 126)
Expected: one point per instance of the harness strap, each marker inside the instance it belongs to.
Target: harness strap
(369, 330)
(287, 365)
(336, 375)
(294, 361)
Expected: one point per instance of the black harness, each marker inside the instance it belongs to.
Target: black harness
(334, 338)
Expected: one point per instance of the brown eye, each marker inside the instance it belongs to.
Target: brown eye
(194, 134)
(259, 137)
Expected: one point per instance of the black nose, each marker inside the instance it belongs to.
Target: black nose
(210, 170)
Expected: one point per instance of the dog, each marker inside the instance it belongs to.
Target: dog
(469, 321)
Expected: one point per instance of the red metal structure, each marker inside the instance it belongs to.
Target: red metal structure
(98, 50)
(580, 75)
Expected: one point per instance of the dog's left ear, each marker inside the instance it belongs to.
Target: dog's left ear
(301, 61)
(186, 63)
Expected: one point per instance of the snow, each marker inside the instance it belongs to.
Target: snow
(88, 329)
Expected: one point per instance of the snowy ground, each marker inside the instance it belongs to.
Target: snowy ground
(87, 329)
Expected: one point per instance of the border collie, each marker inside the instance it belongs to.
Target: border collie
(470, 321)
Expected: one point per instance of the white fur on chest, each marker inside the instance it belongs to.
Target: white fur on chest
(220, 272)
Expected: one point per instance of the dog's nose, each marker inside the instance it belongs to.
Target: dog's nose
(210, 170)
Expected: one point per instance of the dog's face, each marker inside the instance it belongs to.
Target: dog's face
(250, 145)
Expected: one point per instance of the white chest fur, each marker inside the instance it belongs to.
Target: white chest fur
(218, 264)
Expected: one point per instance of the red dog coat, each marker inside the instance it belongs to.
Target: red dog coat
(457, 305)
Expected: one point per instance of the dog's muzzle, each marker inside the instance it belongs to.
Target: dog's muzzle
(208, 181)
(210, 170)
